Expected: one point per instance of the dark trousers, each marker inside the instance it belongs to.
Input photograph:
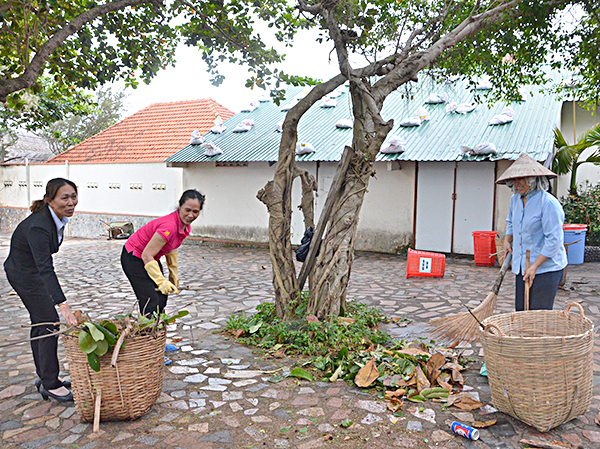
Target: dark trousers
(41, 310)
(541, 293)
(149, 297)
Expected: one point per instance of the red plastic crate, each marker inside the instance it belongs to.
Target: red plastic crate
(422, 263)
(484, 243)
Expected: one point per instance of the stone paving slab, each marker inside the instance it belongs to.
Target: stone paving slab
(216, 393)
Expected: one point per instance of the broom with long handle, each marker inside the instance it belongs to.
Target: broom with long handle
(464, 326)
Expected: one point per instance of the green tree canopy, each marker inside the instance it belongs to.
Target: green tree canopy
(79, 45)
(106, 111)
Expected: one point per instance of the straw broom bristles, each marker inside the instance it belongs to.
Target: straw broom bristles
(464, 326)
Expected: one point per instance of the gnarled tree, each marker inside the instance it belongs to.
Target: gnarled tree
(505, 39)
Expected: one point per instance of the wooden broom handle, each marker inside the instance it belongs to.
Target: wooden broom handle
(527, 256)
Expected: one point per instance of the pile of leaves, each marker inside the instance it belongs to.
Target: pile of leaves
(306, 335)
(354, 349)
(98, 339)
(415, 371)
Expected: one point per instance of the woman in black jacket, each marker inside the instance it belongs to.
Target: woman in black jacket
(30, 272)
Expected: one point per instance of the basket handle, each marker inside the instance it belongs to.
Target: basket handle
(492, 325)
(126, 331)
(566, 311)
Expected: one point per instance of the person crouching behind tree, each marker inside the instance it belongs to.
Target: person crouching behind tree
(30, 271)
(160, 237)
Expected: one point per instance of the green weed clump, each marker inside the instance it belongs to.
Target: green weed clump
(358, 330)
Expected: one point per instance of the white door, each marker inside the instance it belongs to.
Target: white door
(435, 186)
(474, 206)
(453, 200)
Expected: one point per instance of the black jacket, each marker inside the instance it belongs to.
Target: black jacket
(30, 257)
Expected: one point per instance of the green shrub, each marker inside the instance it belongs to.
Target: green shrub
(584, 208)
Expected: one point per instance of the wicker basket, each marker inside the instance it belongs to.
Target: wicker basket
(540, 365)
(127, 390)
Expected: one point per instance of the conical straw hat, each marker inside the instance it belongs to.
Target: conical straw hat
(524, 167)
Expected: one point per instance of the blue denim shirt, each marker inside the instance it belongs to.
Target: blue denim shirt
(537, 227)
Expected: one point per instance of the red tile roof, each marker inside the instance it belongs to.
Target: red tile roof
(150, 135)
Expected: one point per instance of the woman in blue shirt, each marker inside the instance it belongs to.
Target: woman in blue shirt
(534, 223)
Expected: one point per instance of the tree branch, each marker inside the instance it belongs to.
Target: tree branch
(36, 66)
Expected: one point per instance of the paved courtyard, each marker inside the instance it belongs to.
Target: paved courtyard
(216, 393)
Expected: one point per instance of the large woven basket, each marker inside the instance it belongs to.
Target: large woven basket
(540, 365)
(127, 390)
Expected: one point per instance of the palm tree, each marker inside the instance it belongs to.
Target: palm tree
(566, 158)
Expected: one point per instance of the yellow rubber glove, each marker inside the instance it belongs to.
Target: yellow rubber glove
(164, 286)
(173, 270)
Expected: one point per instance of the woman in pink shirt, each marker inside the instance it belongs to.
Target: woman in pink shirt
(160, 237)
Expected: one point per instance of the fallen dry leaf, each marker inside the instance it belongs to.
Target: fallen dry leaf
(544, 444)
(419, 345)
(394, 381)
(444, 381)
(343, 319)
(435, 362)
(395, 393)
(464, 401)
(394, 405)
(453, 366)
(413, 352)
(279, 354)
(238, 333)
(457, 377)
(367, 374)
(484, 424)
(422, 381)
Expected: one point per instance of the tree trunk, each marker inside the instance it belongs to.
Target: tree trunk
(277, 196)
(334, 264)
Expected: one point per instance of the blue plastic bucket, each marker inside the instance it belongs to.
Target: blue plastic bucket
(575, 235)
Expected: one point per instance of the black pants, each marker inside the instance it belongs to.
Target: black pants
(541, 293)
(149, 297)
(41, 310)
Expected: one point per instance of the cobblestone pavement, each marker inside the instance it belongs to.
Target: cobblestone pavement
(216, 393)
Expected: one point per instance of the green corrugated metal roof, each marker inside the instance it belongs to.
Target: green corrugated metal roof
(438, 139)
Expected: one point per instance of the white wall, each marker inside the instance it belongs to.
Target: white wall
(97, 186)
(503, 195)
(232, 210)
(584, 120)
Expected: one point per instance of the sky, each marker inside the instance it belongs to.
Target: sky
(189, 80)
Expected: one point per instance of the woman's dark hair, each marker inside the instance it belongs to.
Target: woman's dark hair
(191, 194)
(51, 191)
